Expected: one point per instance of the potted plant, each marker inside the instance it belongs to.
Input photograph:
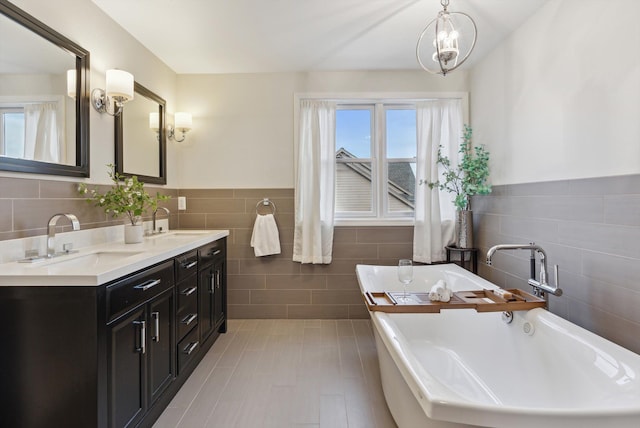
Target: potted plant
(126, 197)
(469, 178)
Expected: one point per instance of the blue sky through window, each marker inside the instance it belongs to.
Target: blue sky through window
(353, 132)
(401, 133)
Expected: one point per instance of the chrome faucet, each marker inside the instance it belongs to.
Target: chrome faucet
(539, 287)
(51, 231)
(153, 217)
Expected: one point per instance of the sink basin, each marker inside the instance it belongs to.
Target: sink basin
(93, 259)
(179, 234)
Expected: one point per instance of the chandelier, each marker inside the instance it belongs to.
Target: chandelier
(453, 37)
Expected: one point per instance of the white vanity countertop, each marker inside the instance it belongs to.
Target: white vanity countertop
(102, 263)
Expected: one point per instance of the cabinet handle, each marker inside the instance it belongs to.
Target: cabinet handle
(212, 283)
(189, 319)
(189, 291)
(218, 279)
(143, 336)
(148, 284)
(190, 348)
(156, 326)
(186, 265)
(214, 253)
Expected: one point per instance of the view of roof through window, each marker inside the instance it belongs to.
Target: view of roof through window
(361, 157)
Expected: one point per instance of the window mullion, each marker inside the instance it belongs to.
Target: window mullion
(381, 155)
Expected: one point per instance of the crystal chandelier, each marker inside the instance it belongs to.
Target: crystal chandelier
(454, 36)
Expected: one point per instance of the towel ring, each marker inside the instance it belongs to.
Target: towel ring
(266, 202)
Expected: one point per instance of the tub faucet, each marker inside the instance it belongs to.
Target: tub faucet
(539, 287)
(153, 217)
(51, 231)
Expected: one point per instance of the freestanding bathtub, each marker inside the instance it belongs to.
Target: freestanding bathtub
(462, 368)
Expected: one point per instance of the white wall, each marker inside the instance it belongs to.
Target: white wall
(110, 47)
(560, 98)
(243, 130)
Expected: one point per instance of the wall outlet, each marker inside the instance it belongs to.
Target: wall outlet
(182, 202)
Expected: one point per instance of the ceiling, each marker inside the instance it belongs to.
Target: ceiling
(251, 36)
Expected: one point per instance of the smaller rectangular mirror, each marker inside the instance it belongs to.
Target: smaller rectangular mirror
(140, 138)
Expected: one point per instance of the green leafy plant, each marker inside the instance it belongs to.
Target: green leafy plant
(126, 197)
(470, 177)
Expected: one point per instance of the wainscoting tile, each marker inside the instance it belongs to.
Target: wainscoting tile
(296, 282)
(205, 193)
(16, 188)
(596, 246)
(217, 206)
(6, 215)
(618, 240)
(622, 210)
(246, 282)
(617, 185)
(385, 235)
(192, 221)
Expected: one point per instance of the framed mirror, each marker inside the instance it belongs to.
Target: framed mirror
(44, 98)
(141, 142)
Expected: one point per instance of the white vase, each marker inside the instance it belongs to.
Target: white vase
(133, 233)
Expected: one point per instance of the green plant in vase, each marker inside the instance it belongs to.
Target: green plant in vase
(127, 197)
(469, 178)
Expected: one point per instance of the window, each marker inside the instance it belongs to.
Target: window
(375, 161)
(12, 132)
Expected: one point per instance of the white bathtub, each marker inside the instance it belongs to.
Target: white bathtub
(463, 368)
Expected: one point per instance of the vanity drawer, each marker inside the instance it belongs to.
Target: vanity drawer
(187, 315)
(187, 349)
(138, 288)
(186, 265)
(209, 252)
(187, 294)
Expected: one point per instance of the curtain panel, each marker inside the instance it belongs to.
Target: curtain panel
(315, 178)
(41, 137)
(438, 123)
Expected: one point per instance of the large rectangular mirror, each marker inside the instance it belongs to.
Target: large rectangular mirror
(44, 98)
(140, 139)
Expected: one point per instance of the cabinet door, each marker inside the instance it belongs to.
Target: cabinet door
(220, 292)
(206, 290)
(160, 344)
(127, 353)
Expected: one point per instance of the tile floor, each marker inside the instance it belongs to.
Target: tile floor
(285, 374)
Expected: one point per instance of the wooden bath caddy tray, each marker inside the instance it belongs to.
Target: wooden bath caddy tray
(480, 300)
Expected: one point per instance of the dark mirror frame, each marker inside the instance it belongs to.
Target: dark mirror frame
(162, 139)
(81, 167)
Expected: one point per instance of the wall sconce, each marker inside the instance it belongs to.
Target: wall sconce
(71, 83)
(183, 123)
(119, 89)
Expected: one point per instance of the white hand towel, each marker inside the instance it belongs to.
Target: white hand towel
(265, 239)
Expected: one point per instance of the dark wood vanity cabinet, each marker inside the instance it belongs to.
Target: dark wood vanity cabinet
(111, 355)
(140, 343)
(212, 287)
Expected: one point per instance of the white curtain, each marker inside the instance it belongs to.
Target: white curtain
(315, 177)
(438, 123)
(41, 139)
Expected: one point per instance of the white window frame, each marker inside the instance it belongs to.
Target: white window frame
(3, 111)
(355, 98)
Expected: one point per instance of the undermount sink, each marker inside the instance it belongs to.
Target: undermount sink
(93, 259)
(179, 234)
